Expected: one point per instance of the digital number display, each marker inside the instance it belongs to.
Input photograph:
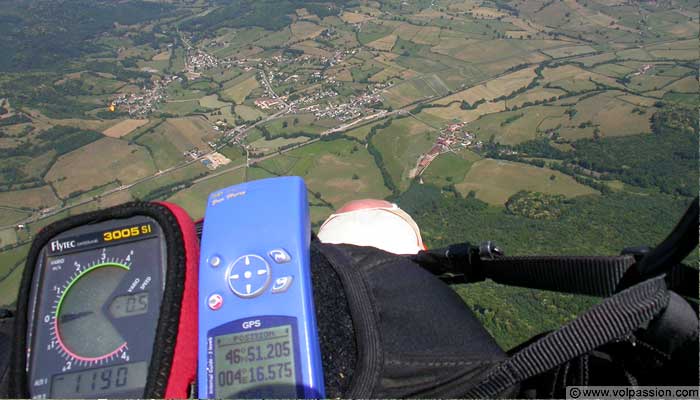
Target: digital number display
(128, 232)
(255, 364)
(100, 381)
(129, 305)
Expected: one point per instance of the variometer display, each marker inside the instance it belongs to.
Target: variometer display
(96, 299)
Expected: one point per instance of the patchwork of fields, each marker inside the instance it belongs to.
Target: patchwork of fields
(527, 87)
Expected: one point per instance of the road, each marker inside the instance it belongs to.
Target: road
(269, 88)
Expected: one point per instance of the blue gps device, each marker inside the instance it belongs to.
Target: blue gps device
(257, 324)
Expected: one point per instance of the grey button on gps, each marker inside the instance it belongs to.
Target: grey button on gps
(280, 256)
(215, 261)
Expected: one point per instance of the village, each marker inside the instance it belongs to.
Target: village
(301, 93)
(452, 138)
(145, 102)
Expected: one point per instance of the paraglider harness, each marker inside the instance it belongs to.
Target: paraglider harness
(389, 326)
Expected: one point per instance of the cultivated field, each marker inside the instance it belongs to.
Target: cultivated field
(612, 116)
(353, 18)
(12, 215)
(455, 113)
(187, 133)
(305, 30)
(270, 146)
(187, 173)
(36, 198)
(239, 91)
(334, 169)
(385, 44)
(513, 127)
(124, 127)
(99, 163)
(534, 95)
(568, 51)
(501, 86)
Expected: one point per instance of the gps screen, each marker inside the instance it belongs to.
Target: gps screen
(256, 364)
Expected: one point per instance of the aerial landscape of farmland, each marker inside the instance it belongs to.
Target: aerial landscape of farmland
(574, 119)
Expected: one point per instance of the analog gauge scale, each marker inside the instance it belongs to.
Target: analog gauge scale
(94, 307)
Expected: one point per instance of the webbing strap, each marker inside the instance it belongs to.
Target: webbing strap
(590, 275)
(614, 318)
(595, 276)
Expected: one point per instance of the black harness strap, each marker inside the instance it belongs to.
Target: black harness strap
(613, 319)
(595, 275)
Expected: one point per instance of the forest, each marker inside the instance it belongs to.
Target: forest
(588, 225)
(268, 14)
(45, 35)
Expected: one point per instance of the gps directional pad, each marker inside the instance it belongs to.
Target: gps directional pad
(249, 276)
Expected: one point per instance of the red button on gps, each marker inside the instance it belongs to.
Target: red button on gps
(215, 301)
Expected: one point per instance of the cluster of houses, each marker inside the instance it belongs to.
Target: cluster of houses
(266, 103)
(452, 137)
(353, 108)
(338, 57)
(193, 153)
(144, 102)
(198, 61)
(643, 69)
(306, 103)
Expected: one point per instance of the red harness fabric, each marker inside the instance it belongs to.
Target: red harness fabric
(183, 370)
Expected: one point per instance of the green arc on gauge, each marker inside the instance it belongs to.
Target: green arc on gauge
(88, 335)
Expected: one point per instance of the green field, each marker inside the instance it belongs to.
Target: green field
(340, 170)
(249, 113)
(271, 146)
(372, 31)
(238, 89)
(192, 171)
(494, 181)
(401, 144)
(163, 151)
(513, 127)
(449, 168)
(194, 198)
(212, 101)
(10, 274)
(8, 237)
(305, 124)
(416, 89)
(99, 163)
(180, 107)
(361, 132)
